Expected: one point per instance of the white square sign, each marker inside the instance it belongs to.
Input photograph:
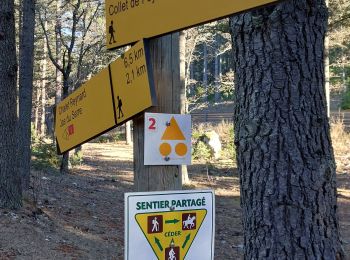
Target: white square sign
(167, 139)
(170, 225)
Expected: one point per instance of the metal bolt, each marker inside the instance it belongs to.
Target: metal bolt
(167, 158)
(167, 123)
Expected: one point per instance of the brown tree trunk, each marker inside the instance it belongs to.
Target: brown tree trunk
(182, 44)
(26, 88)
(205, 71)
(128, 133)
(43, 89)
(10, 179)
(59, 86)
(36, 113)
(164, 54)
(64, 167)
(284, 152)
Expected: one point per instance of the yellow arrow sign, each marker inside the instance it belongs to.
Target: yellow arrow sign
(128, 21)
(92, 109)
(85, 113)
(170, 234)
(132, 83)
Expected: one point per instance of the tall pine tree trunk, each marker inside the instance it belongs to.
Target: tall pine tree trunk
(128, 133)
(284, 151)
(64, 167)
(26, 88)
(205, 71)
(59, 86)
(43, 90)
(183, 108)
(36, 109)
(217, 68)
(10, 179)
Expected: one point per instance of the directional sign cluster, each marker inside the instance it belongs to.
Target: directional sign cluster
(107, 100)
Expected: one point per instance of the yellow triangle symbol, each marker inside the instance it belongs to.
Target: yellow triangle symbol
(170, 234)
(173, 131)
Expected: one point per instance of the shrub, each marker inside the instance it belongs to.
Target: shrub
(44, 155)
(109, 138)
(225, 130)
(345, 104)
(76, 158)
(341, 144)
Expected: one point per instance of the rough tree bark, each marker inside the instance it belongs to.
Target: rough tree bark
(284, 151)
(10, 179)
(26, 88)
(43, 89)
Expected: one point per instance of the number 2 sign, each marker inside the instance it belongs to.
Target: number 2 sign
(152, 123)
(167, 139)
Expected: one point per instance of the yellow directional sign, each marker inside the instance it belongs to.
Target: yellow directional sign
(170, 234)
(110, 98)
(85, 113)
(128, 21)
(132, 83)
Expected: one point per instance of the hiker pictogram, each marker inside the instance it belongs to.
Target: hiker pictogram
(111, 33)
(155, 224)
(120, 104)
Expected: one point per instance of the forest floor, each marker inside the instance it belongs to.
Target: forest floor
(81, 215)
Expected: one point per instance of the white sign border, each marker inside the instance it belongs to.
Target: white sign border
(156, 193)
(186, 129)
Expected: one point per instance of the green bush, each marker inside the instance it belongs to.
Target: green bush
(76, 158)
(109, 138)
(44, 155)
(201, 151)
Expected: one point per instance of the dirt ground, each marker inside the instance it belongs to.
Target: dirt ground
(80, 216)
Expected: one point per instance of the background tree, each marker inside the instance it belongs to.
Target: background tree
(76, 42)
(10, 180)
(26, 88)
(284, 153)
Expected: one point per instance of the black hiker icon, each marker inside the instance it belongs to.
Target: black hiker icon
(111, 32)
(120, 104)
